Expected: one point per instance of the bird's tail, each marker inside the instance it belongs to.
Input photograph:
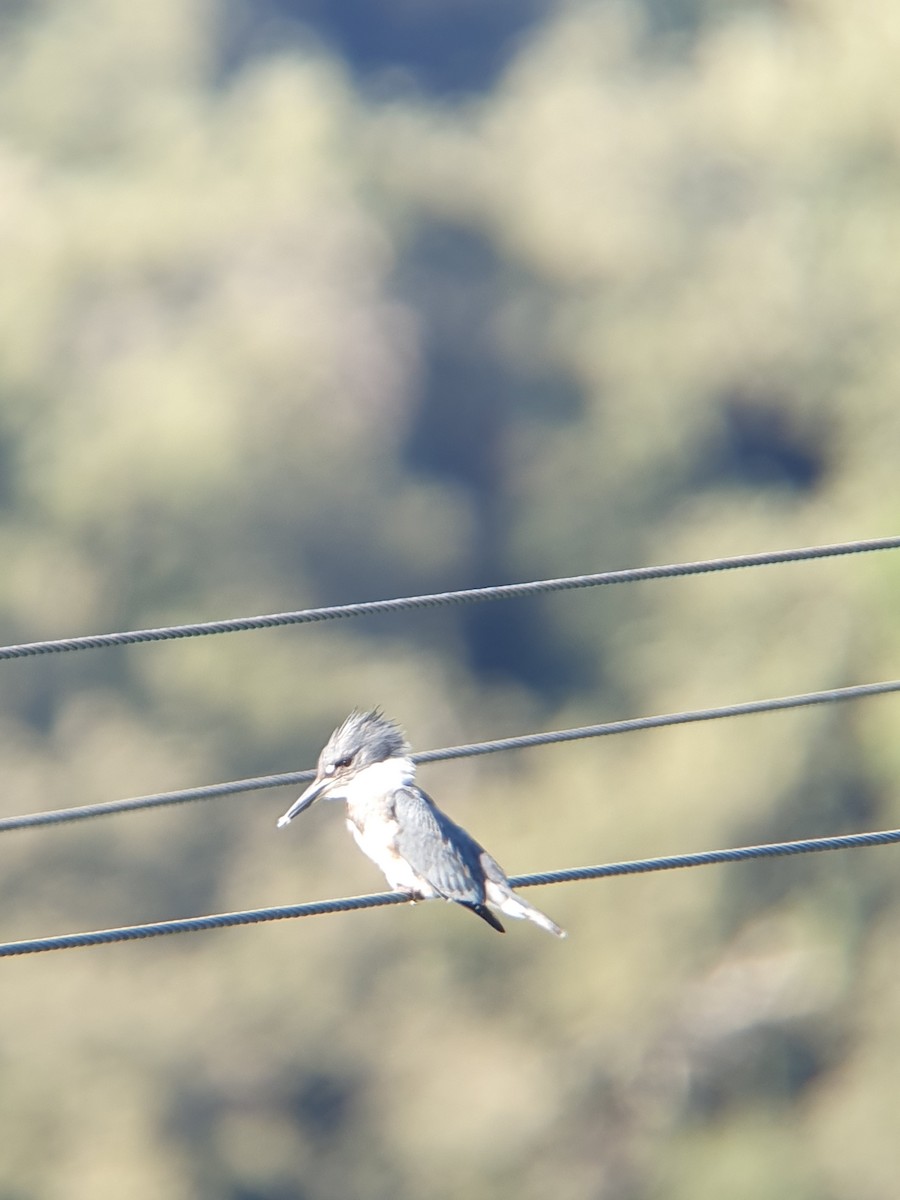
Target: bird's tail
(481, 910)
(501, 896)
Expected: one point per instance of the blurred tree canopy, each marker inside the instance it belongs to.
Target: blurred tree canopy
(307, 304)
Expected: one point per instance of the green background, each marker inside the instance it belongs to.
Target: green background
(294, 311)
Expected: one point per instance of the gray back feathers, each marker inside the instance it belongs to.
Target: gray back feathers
(437, 848)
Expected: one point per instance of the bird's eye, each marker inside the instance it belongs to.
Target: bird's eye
(344, 762)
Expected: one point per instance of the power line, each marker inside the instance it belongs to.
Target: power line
(61, 816)
(638, 724)
(71, 941)
(439, 599)
(522, 742)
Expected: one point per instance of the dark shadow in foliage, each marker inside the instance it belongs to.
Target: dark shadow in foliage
(323, 1103)
(770, 1061)
(473, 399)
(319, 1103)
(758, 442)
(7, 450)
(287, 1191)
(834, 796)
(440, 46)
(670, 29)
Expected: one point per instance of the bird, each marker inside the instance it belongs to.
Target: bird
(366, 763)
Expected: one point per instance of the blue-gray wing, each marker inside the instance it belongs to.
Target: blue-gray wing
(437, 848)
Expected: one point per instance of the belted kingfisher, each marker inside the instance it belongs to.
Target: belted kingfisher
(420, 850)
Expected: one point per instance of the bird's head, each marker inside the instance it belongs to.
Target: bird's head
(363, 739)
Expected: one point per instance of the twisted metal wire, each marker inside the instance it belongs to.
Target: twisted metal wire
(71, 941)
(522, 742)
(439, 599)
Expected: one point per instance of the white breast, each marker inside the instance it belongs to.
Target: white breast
(374, 828)
(377, 781)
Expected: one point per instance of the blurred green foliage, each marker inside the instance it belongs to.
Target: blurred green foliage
(273, 338)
